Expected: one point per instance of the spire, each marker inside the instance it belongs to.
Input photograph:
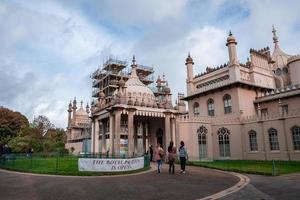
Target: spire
(74, 103)
(87, 108)
(133, 68)
(189, 59)
(275, 37)
(230, 34)
(81, 102)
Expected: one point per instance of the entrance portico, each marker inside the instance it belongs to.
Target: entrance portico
(129, 130)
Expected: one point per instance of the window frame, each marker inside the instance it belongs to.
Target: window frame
(224, 142)
(273, 139)
(210, 107)
(202, 142)
(296, 143)
(253, 141)
(227, 101)
(196, 109)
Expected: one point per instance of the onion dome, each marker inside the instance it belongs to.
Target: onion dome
(136, 103)
(230, 39)
(143, 104)
(135, 88)
(70, 107)
(130, 102)
(154, 105)
(167, 90)
(279, 56)
(121, 82)
(189, 60)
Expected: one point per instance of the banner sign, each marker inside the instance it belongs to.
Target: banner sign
(110, 165)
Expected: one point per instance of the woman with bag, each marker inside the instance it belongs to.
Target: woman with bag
(171, 157)
(159, 155)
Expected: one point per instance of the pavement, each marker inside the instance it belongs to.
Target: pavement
(195, 184)
(269, 188)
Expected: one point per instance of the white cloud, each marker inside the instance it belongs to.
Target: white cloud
(49, 48)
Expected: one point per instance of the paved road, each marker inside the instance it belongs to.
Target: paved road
(197, 183)
(269, 188)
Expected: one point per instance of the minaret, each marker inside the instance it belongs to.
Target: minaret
(234, 71)
(74, 110)
(190, 75)
(87, 108)
(231, 44)
(275, 37)
(69, 115)
(133, 68)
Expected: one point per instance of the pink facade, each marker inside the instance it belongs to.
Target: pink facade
(248, 110)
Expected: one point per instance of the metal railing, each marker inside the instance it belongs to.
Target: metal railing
(53, 163)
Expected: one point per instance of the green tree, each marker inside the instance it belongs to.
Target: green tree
(11, 123)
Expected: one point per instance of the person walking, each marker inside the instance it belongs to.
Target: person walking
(171, 157)
(159, 155)
(182, 157)
(151, 152)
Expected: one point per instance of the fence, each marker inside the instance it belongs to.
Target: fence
(52, 163)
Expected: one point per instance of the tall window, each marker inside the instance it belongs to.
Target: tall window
(196, 109)
(227, 103)
(253, 140)
(296, 137)
(211, 107)
(273, 138)
(202, 141)
(224, 143)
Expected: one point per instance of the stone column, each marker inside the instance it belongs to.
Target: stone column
(103, 139)
(96, 136)
(167, 130)
(147, 136)
(117, 132)
(135, 136)
(111, 134)
(93, 137)
(130, 133)
(144, 137)
(173, 131)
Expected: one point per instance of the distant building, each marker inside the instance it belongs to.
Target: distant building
(79, 129)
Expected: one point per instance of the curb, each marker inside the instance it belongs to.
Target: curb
(68, 176)
(244, 180)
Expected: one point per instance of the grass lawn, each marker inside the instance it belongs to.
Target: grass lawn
(252, 166)
(67, 165)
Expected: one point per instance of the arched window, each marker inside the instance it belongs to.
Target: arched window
(202, 141)
(273, 138)
(211, 107)
(253, 140)
(227, 103)
(296, 137)
(196, 109)
(224, 143)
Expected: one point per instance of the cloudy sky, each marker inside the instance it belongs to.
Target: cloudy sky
(48, 49)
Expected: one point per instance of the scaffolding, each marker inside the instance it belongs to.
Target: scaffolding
(106, 77)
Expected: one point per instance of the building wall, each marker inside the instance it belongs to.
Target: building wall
(239, 137)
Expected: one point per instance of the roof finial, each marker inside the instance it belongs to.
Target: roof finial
(230, 34)
(133, 60)
(189, 55)
(275, 37)
(81, 102)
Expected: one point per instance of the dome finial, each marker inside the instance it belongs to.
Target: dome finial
(275, 37)
(230, 34)
(133, 61)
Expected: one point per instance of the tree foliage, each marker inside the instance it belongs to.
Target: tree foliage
(42, 136)
(11, 123)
